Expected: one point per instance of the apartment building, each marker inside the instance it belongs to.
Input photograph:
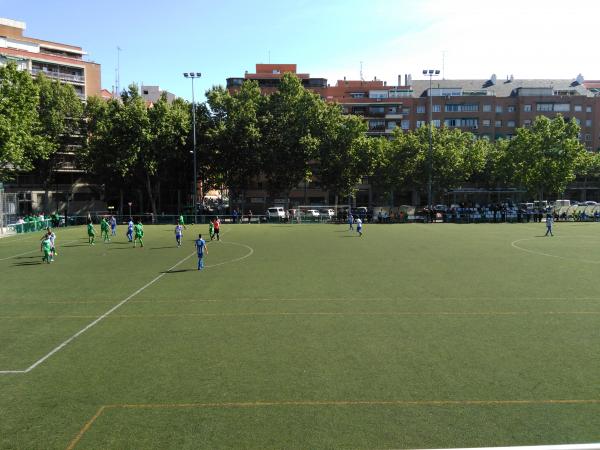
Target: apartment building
(490, 108)
(58, 61)
(67, 184)
(151, 94)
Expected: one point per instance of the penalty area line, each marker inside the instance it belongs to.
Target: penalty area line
(93, 323)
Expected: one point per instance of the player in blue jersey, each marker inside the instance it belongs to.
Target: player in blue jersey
(178, 234)
(113, 225)
(202, 250)
(350, 221)
(130, 230)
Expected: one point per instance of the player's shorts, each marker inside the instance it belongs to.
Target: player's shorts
(177, 236)
(200, 255)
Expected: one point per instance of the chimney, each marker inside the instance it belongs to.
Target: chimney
(409, 80)
(385, 83)
(399, 80)
(512, 78)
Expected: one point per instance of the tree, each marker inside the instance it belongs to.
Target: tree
(60, 117)
(169, 125)
(544, 157)
(290, 134)
(20, 142)
(234, 141)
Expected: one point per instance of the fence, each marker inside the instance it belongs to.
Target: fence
(8, 212)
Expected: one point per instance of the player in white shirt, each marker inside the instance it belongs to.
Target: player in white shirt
(549, 224)
(178, 234)
(359, 226)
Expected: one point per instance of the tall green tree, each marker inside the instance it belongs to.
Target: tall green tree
(290, 134)
(60, 114)
(233, 144)
(544, 158)
(20, 141)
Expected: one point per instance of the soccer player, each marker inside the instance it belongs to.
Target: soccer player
(178, 234)
(52, 238)
(181, 221)
(350, 221)
(201, 249)
(91, 233)
(46, 249)
(104, 230)
(549, 224)
(113, 226)
(138, 233)
(217, 227)
(130, 230)
(359, 226)
(211, 229)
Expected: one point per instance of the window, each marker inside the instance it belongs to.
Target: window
(391, 125)
(510, 123)
(470, 107)
(146, 93)
(405, 110)
(526, 108)
(472, 123)
(577, 108)
(498, 109)
(527, 123)
(510, 108)
(376, 110)
(498, 123)
(451, 122)
(588, 109)
(421, 109)
(357, 95)
(577, 121)
(436, 123)
(376, 125)
(467, 107)
(487, 108)
(562, 107)
(437, 108)
(405, 124)
(486, 122)
(421, 123)
(588, 137)
(452, 108)
(544, 107)
(588, 123)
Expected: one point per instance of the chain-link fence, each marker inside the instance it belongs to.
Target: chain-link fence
(8, 212)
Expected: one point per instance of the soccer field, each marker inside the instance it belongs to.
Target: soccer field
(303, 336)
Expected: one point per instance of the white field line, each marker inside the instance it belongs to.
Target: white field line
(91, 324)
(514, 244)
(537, 447)
(114, 308)
(36, 250)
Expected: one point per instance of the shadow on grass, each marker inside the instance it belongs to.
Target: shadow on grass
(160, 248)
(26, 257)
(122, 248)
(179, 271)
(27, 263)
(350, 236)
(75, 245)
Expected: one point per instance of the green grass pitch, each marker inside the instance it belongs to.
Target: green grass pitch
(303, 336)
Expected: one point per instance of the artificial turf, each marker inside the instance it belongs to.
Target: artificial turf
(304, 336)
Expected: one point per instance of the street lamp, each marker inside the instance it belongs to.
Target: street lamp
(430, 73)
(194, 75)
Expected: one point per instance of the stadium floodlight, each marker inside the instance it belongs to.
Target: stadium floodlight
(193, 75)
(430, 73)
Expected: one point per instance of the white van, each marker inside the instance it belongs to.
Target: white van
(562, 203)
(276, 212)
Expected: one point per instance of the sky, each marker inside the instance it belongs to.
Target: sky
(326, 38)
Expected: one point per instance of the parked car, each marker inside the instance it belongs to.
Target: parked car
(590, 203)
(276, 212)
(312, 213)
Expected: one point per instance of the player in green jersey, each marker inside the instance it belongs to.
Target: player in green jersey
(181, 222)
(91, 233)
(104, 230)
(46, 248)
(138, 232)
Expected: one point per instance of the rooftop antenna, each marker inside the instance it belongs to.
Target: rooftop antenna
(269, 56)
(118, 72)
(361, 72)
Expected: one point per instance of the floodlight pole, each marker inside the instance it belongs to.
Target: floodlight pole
(430, 73)
(194, 75)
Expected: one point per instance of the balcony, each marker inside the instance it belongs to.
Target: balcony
(56, 75)
(394, 115)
